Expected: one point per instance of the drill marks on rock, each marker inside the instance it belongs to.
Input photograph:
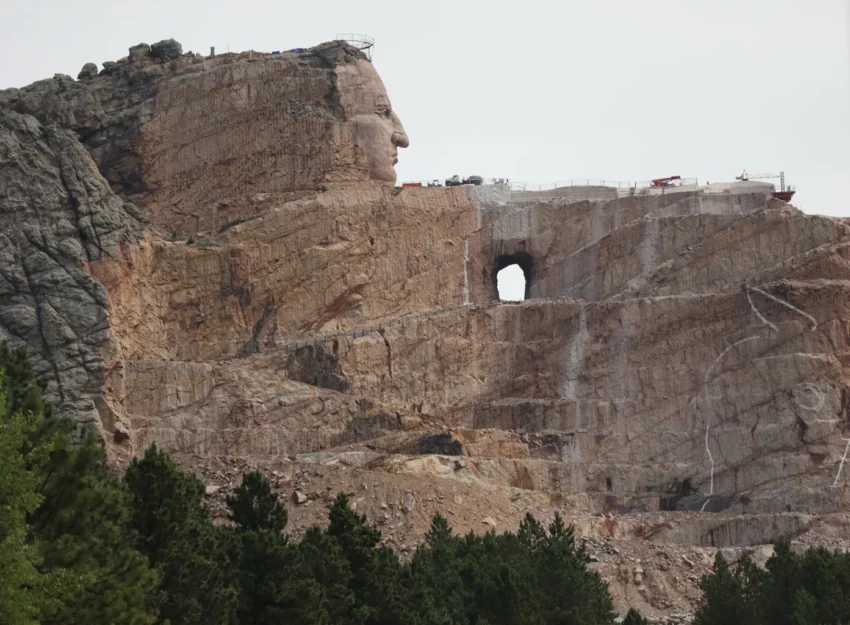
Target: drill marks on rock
(574, 357)
(366, 330)
(465, 271)
(389, 353)
(648, 250)
(807, 396)
(819, 396)
(706, 395)
(515, 224)
(708, 418)
(806, 387)
(231, 136)
(263, 332)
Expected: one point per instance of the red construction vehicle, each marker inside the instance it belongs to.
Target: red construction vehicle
(665, 182)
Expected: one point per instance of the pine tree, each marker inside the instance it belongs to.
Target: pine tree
(440, 532)
(253, 506)
(23, 388)
(166, 502)
(812, 589)
(275, 583)
(823, 595)
(781, 584)
(751, 581)
(353, 533)
(570, 592)
(328, 565)
(23, 587)
(381, 598)
(722, 601)
(805, 610)
(531, 533)
(175, 533)
(79, 528)
(83, 532)
(437, 587)
(633, 617)
(498, 573)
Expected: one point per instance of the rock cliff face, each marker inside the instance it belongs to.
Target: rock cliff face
(209, 254)
(58, 213)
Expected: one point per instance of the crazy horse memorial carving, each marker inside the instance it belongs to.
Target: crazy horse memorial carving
(211, 254)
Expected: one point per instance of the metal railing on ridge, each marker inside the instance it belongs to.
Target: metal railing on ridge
(551, 186)
(591, 182)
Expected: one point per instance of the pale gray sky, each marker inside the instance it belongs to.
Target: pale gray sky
(535, 91)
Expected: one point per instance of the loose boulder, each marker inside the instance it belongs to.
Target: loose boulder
(89, 71)
(140, 51)
(167, 49)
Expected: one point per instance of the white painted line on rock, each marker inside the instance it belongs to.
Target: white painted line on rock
(787, 305)
(821, 398)
(708, 418)
(758, 314)
(843, 458)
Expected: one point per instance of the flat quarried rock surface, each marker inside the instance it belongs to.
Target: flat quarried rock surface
(208, 253)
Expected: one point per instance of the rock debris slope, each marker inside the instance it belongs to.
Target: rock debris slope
(205, 253)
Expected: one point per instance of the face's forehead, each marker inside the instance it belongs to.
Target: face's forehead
(360, 88)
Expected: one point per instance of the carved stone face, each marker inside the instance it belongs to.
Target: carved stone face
(377, 129)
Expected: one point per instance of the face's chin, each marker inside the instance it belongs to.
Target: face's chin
(383, 174)
(375, 137)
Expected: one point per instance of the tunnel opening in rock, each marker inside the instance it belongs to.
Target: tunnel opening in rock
(512, 277)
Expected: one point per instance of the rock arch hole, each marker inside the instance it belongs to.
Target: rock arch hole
(513, 275)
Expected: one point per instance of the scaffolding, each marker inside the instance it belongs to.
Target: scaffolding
(364, 43)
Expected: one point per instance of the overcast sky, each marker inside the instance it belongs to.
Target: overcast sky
(535, 91)
(539, 90)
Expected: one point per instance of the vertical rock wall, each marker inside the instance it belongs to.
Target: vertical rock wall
(57, 214)
(277, 302)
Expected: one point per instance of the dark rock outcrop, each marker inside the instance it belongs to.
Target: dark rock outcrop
(106, 113)
(139, 52)
(89, 71)
(167, 49)
(57, 214)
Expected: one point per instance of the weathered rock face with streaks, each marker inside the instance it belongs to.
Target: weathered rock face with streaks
(209, 254)
(56, 214)
(203, 142)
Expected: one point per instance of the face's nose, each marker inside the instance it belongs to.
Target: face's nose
(399, 138)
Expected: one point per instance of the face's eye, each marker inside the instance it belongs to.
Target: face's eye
(383, 111)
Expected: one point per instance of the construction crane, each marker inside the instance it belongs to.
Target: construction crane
(783, 194)
(745, 176)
